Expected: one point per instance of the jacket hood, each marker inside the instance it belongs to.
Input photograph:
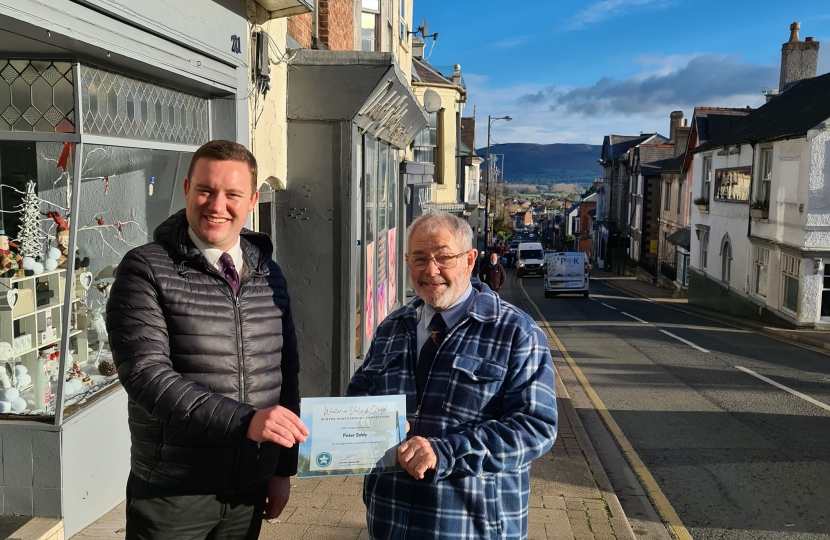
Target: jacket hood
(172, 235)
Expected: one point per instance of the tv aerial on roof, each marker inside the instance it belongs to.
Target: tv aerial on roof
(424, 31)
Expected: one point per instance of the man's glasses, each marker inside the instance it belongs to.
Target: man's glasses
(441, 261)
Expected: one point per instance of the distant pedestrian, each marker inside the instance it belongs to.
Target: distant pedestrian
(493, 274)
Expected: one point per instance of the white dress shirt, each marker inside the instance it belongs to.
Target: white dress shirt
(212, 254)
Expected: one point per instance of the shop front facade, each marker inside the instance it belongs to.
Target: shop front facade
(99, 120)
(340, 224)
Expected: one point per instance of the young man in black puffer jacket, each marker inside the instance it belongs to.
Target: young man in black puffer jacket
(201, 332)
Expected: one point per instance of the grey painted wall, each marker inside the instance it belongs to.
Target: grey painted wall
(308, 250)
(30, 470)
(96, 461)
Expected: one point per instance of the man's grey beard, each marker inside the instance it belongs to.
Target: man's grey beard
(445, 299)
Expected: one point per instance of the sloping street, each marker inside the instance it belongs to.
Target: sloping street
(734, 426)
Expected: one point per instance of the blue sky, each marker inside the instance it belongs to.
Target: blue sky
(573, 71)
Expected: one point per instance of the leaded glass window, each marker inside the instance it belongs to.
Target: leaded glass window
(36, 95)
(119, 106)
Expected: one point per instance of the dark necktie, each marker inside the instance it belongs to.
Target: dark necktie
(437, 332)
(229, 272)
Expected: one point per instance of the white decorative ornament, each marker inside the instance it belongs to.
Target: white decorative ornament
(53, 253)
(38, 268)
(85, 279)
(50, 264)
(20, 369)
(11, 297)
(19, 405)
(11, 394)
(28, 263)
(23, 380)
(5, 406)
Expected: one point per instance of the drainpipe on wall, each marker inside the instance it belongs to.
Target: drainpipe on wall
(315, 28)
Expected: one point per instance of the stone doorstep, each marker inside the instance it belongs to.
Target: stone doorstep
(40, 529)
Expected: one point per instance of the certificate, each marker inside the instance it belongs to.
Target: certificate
(352, 435)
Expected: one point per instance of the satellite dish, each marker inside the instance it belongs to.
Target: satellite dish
(432, 101)
(425, 28)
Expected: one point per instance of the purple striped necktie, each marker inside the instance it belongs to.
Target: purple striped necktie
(229, 272)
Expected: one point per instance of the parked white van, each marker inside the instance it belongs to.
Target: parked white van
(567, 272)
(529, 259)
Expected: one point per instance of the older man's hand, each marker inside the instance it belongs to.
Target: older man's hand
(278, 425)
(417, 456)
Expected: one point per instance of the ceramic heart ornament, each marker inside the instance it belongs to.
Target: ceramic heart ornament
(85, 280)
(11, 297)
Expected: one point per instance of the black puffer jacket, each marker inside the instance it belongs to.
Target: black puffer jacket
(197, 363)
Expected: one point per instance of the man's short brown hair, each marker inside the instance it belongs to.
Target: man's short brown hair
(226, 151)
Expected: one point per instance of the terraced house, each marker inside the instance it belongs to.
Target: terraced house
(761, 235)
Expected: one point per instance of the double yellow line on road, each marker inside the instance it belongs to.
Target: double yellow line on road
(663, 505)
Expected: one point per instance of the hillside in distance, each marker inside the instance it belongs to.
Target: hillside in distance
(526, 163)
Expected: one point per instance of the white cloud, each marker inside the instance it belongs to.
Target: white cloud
(641, 103)
(508, 43)
(706, 79)
(538, 123)
(609, 9)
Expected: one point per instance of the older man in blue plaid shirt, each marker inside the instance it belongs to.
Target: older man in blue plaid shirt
(479, 386)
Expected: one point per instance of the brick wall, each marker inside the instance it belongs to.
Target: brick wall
(299, 28)
(337, 24)
(706, 292)
(336, 30)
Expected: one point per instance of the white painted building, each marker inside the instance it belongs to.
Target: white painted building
(761, 243)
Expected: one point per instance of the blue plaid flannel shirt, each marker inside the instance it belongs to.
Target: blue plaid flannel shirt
(489, 408)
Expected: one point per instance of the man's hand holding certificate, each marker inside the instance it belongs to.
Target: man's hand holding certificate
(352, 436)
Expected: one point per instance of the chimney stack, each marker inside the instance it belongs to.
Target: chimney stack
(799, 59)
(418, 47)
(676, 117)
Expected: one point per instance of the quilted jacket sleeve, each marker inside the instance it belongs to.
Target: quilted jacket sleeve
(289, 390)
(139, 342)
(525, 431)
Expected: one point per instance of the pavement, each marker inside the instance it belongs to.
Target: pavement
(819, 339)
(571, 495)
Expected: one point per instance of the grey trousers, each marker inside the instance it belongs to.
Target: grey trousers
(156, 513)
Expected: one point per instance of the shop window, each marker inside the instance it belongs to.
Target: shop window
(761, 268)
(790, 275)
(123, 195)
(733, 184)
(370, 25)
(115, 105)
(37, 95)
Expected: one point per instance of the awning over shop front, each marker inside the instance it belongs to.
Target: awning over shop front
(366, 88)
(681, 237)
(286, 8)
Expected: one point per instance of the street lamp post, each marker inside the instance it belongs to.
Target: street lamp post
(489, 174)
